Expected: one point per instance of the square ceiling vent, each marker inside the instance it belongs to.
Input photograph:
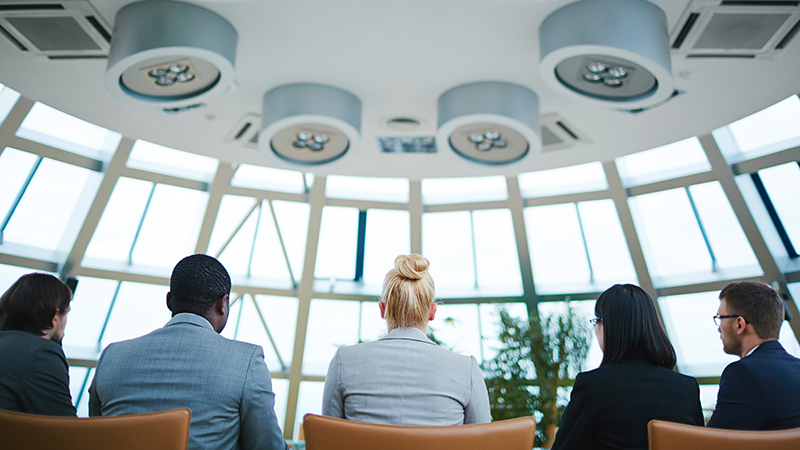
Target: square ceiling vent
(55, 30)
(736, 29)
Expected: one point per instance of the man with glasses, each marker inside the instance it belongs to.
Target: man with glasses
(761, 391)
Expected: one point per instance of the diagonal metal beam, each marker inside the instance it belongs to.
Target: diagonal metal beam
(222, 179)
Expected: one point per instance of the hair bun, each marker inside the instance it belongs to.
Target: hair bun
(411, 266)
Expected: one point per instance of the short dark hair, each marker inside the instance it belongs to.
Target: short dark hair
(631, 326)
(758, 303)
(197, 282)
(31, 303)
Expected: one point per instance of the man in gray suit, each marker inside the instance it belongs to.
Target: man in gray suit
(187, 364)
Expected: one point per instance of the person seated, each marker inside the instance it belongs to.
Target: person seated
(404, 378)
(635, 383)
(34, 374)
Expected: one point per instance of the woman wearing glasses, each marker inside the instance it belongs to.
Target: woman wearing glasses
(635, 383)
(404, 378)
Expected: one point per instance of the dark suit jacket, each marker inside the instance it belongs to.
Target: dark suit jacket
(760, 391)
(34, 375)
(611, 405)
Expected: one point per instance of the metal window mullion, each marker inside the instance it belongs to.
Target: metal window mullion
(480, 332)
(19, 196)
(773, 214)
(283, 244)
(474, 252)
(361, 245)
(237, 229)
(269, 335)
(141, 223)
(83, 387)
(714, 264)
(238, 316)
(585, 244)
(108, 315)
(255, 237)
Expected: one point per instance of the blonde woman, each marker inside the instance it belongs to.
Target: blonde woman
(404, 378)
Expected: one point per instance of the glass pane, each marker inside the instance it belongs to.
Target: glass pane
(388, 235)
(585, 310)
(54, 128)
(88, 311)
(567, 180)
(113, 238)
(234, 315)
(309, 401)
(728, 241)
(293, 224)
(496, 250)
(236, 256)
(670, 161)
(280, 386)
(10, 274)
(783, 185)
(447, 243)
(258, 177)
(794, 290)
(48, 205)
(693, 334)
(268, 259)
(322, 340)
(490, 324)
(670, 235)
(15, 166)
(280, 314)
(139, 309)
(79, 380)
(605, 242)
(366, 188)
(232, 210)
(336, 254)
(163, 244)
(156, 158)
(373, 327)
(8, 98)
(708, 398)
(456, 326)
(558, 256)
(772, 125)
(459, 190)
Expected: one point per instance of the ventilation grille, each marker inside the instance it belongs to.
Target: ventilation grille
(55, 30)
(558, 134)
(245, 133)
(735, 29)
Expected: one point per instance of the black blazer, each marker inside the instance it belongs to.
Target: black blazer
(611, 405)
(760, 391)
(34, 375)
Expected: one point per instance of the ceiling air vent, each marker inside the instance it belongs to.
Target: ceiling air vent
(55, 30)
(558, 134)
(735, 29)
(245, 133)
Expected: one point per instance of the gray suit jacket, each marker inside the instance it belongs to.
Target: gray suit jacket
(186, 364)
(405, 379)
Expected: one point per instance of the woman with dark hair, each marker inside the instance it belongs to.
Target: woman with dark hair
(635, 383)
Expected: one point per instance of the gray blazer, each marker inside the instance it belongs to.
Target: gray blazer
(186, 364)
(405, 379)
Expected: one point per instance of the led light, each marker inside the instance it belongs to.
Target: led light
(612, 82)
(178, 68)
(476, 137)
(185, 77)
(315, 146)
(593, 77)
(618, 72)
(165, 81)
(492, 135)
(300, 144)
(500, 143)
(596, 67)
(485, 146)
(321, 138)
(158, 72)
(305, 135)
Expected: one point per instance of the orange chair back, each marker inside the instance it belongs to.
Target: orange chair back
(675, 436)
(327, 433)
(166, 430)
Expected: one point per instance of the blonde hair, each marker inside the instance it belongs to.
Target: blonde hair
(408, 292)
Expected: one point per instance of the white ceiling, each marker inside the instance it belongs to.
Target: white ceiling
(398, 57)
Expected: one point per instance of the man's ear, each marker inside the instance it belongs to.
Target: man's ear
(223, 304)
(169, 301)
(740, 325)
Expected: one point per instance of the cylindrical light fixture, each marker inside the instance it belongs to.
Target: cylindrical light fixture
(170, 54)
(310, 124)
(612, 53)
(490, 122)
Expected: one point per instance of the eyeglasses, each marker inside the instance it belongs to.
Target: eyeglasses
(595, 320)
(718, 318)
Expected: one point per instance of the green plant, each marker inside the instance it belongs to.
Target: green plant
(535, 358)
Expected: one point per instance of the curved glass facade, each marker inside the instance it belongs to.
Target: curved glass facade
(307, 254)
